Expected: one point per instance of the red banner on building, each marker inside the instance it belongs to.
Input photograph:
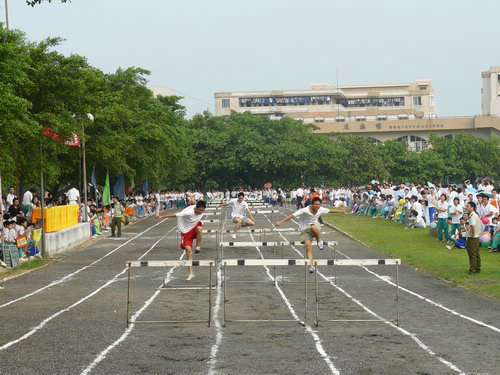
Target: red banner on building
(73, 142)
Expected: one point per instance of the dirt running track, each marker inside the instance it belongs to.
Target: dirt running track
(70, 317)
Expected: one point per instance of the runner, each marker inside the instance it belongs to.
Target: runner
(239, 213)
(189, 224)
(308, 217)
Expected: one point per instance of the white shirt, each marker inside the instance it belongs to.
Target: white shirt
(418, 207)
(73, 195)
(421, 221)
(444, 206)
(10, 199)
(300, 192)
(455, 218)
(27, 198)
(187, 219)
(239, 210)
(307, 218)
(474, 220)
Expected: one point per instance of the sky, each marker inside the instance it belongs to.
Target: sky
(198, 47)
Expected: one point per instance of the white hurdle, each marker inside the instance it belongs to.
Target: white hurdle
(304, 263)
(174, 263)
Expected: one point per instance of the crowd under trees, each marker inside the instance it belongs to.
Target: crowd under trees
(149, 138)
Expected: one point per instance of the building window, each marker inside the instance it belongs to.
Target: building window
(360, 118)
(417, 100)
(402, 117)
(225, 103)
(381, 118)
(373, 102)
(319, 119)
(346, 126)
(378, 125)
(422, 87)
(339, 119)
(374, 141)
(362, 126)
(417, 143)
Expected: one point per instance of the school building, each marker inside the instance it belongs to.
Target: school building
(380, 112)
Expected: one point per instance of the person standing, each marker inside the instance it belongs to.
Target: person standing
(473, 239)
(118, 211)
(10, 198)
(456, 212)
(27, 199)
(308, 224)
(73, 196)
(190, 226)
(240, 214)
(442, 210)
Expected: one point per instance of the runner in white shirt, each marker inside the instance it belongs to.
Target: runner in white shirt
(308, 218)
(189, 224)
(241, 214)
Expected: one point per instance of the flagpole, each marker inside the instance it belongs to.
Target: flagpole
(91, 118)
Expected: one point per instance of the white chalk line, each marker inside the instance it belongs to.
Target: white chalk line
(436, 304)
(69, 276)
(219, 332)
(101, 356)
(316, 338)
(402, 330)
(60, 312)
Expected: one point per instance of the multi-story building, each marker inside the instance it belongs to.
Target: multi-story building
(490, 93)
(324, 103)
(402, 112)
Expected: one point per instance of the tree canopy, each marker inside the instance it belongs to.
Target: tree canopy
(148, 138)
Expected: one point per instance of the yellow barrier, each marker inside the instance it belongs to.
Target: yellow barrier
(60, 217)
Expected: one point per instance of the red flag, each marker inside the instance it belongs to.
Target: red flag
(73, 142)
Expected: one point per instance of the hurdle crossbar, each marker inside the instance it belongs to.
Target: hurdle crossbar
(173, 263)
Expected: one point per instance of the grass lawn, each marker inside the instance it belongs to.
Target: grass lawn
(419, 249)
(25, 266)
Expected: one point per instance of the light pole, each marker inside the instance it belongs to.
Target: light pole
(6, 15)
(90, 117)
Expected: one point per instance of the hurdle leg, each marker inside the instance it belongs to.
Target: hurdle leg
(210, 296)
(224, 295)
(128, 294)
(397, 294)
(282, 267)
(316, 292)
(305, 293)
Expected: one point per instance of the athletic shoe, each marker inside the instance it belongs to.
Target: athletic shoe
(190, 277)
(312, 269)
(321, 246)
(449, 247)
(197, 250)
(233, 236)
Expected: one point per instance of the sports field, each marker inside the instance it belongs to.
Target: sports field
(70, 317)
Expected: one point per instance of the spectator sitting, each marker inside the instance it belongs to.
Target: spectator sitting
(460, 236)
(495, 242)
(415, 220)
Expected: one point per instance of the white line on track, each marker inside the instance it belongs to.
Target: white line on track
(55, 315)
(102, 355)
(402, 330)
(436, 304)
(69, 276)
(316, 338)
(219, 332)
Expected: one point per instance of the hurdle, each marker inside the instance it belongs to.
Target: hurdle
(246, 244)
(356, 262)
(304, 262)
(173, 263)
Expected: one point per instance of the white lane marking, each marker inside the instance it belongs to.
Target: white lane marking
(316, 338)
(101, 356)
(69, 276)
(55, 315)
(402, 330)
(219, 333)
(218, 336)
(436, 304)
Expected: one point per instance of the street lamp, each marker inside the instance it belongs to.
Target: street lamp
(90, 117)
